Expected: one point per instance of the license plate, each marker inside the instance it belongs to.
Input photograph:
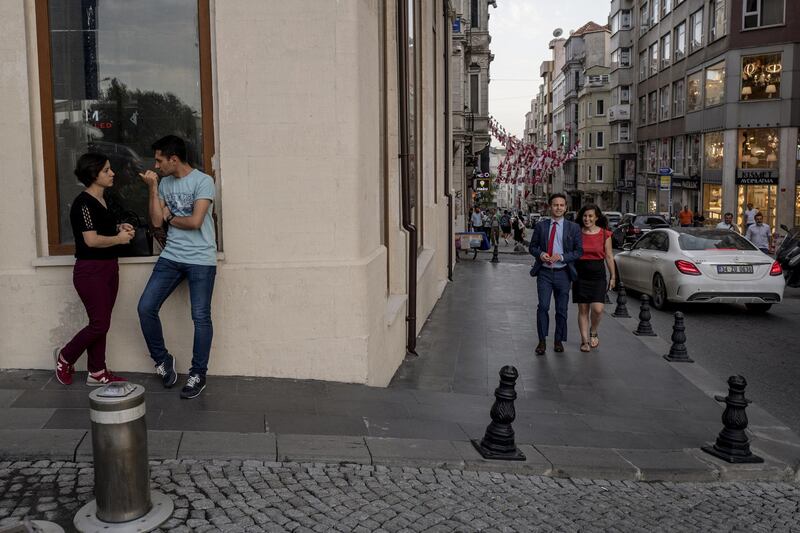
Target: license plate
(734, 269)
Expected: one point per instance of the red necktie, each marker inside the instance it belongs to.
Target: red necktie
(552, 239)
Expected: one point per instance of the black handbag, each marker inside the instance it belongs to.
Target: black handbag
(142, 243)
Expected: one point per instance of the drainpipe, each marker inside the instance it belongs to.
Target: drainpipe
(448, 138)
(405, 189)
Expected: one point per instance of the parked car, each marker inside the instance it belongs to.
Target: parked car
(633, 226)
(613, 218)
(533, 218)
(701, 265)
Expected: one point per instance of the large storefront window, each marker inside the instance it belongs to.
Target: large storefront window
(714, 144)
(694, 84)
(761, 76)
(120, 79)
(758, 148)
(715, 84)
(678, 156)
(693, 155)
(757, 172)
(712, 202)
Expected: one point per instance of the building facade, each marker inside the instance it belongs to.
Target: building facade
(364, 147)
(622, 84)
(594, 162)
(717, 107)
(470, 62)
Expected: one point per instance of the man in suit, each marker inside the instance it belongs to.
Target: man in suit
(555, 246)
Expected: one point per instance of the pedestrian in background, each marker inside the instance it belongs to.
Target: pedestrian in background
(556, 245)
(494, 226)
(685, 217)
(476, 220)
(98, 236)
(749, 216)
(519, 230)
(727, 223)
(505, 225)
(698, 220)
(589, 289)
(759, 234)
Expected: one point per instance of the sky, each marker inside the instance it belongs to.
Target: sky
(520, 31)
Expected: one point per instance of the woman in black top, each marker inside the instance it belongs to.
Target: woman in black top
(96, 274)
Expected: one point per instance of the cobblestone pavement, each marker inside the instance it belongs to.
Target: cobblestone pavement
(258, 496)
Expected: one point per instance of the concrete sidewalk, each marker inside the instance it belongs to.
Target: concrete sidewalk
(620, 412)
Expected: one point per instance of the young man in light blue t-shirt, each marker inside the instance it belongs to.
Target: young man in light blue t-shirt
(182, 201)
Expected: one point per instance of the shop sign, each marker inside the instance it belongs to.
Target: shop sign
(756, 176)
(665, 182)
(481, 184)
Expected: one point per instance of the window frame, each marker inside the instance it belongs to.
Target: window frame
(693, 24)
(47, 111)
(757, 13)
(715, 33)
(664, 111)
(600, 139)
(676, 41)
(711, 68)
(598, 173)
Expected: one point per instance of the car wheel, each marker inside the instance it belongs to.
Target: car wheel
(757, 309)
(660, 301)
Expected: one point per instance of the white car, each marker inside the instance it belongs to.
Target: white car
(700, 265)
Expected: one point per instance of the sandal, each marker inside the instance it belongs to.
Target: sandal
(585, 347)
(594, 342)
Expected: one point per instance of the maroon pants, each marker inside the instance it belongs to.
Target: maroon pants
(96, 281)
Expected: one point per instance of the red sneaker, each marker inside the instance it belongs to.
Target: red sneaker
(64, 371)
(102, 378)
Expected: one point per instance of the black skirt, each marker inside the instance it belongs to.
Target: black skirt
(591, 285)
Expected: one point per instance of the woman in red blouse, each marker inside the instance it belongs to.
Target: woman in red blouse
(589, 290)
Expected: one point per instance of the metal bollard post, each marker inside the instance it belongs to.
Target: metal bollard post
(678, 352)
(644, 329)
(498, 441)
(733, 444)
(121, 469)
(621, 311)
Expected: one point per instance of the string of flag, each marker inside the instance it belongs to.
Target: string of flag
(525, 163)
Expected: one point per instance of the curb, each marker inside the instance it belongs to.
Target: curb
(570, 462)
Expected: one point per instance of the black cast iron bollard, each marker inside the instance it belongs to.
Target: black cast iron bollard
(498, 441)
(732, 443)
(621, 311)
(678, 352)
(644, 329)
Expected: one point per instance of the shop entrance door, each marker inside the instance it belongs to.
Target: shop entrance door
(763, 198)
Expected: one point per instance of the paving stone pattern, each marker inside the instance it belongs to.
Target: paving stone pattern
(262, 496)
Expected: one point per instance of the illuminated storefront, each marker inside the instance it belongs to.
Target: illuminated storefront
(757, 172)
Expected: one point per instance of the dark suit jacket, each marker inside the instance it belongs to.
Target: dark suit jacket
(572, 243)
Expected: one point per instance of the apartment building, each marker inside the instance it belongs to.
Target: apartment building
(622, 84)
(718, 107)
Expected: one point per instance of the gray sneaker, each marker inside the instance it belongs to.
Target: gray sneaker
(167, 371)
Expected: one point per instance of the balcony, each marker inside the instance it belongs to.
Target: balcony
(619, 112)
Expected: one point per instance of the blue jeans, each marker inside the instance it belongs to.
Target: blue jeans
(166, 276)
(551, 283)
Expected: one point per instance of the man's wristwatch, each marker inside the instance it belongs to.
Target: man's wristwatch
(170, 217)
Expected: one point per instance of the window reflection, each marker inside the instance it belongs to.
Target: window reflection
(122, 78)
(761, 76)
(714, 144)
(715, 84)
(758, 148)
(693, 92)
